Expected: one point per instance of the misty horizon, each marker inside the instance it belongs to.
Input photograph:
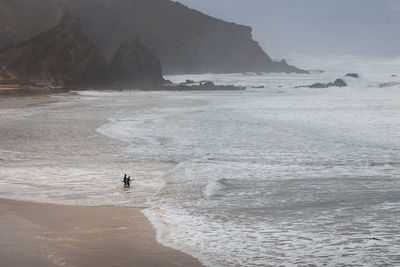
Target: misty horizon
(342, 27)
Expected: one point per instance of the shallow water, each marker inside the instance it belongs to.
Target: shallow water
(268, 176)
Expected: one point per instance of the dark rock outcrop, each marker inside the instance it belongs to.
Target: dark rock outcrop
(60, 57)
(352, 75)
(389, 84)
(135, 63)
(202, 86)
(283, 66)
(336, 83)
(185, 40)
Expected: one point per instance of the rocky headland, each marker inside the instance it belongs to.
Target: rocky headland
(65, 57)
(185, 40)
(62, 56)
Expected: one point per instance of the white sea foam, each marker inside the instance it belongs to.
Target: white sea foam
(283, 176)
(214, 187)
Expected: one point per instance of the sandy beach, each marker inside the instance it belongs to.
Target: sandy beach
(40, 234)
(34, 234)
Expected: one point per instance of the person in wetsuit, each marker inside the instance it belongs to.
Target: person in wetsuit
(125, 181)
(128, 182)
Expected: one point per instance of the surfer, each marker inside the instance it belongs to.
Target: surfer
(125, 181)
(128, 182)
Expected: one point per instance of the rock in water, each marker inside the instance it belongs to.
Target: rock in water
(135, 63)
(336, 83)
(352, 75)
(283, 66)
(61, 56)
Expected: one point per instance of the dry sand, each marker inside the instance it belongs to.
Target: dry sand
(33, 234)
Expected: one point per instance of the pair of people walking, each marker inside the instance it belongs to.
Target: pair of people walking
(127, 181)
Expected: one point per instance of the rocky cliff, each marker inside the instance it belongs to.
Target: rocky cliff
(185, 40)
(64, 56)
(22, 19)
(135, 63)
(61, 56)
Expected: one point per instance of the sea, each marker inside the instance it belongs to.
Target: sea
(272, 175)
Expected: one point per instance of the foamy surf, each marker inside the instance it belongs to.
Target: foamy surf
(265, 176)
(276, 175)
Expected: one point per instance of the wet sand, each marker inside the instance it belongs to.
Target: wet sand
(10, 102)
(33, 234)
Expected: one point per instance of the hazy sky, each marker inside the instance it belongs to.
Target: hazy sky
(314, 26)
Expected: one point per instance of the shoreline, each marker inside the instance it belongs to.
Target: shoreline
(50, 235)
(44, 234)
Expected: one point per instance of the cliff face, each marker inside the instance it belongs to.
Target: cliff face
(64, 56)
(134, 62)
(22, 19)
(61, 56)
(185, 40)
